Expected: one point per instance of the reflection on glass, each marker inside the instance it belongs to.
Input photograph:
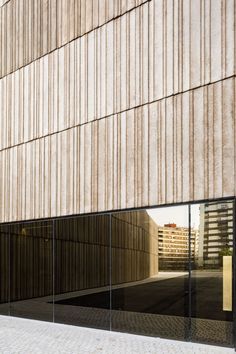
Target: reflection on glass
(4, 270)
(146, 272)
(214, 225)
(150, 272)
(82, 271)
(31, 270)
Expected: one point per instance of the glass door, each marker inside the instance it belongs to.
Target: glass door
(212, 273)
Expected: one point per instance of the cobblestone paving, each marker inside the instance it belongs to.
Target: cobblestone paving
(20, 336)
(173, 327)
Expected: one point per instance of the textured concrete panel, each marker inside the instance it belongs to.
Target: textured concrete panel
(2, 2)
(30, 29)
(138, 58)
(115, 104)
(178, 149)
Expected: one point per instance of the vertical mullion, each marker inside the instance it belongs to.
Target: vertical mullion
(53, 270)
(234, 274)
(10, 243)
(9, 268)
(110, 267)
(189, 328)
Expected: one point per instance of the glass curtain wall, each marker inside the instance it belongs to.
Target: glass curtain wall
(82, 271)
(212, 273)
(150, 272)
(4, 270)
(31, 270)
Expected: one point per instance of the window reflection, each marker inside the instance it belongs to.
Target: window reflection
(4, 270)
(156, 301)
(82, 271)
(214, 225)
(31, 270)
(146, 272)
(134, 247)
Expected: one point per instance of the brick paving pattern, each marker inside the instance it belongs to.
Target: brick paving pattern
(21, 336)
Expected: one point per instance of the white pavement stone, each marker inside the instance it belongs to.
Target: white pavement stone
(21, 336)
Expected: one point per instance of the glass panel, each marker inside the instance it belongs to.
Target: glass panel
(211, 308)
(4, 270)
(150, 272)
(31, 270)
(82, 271)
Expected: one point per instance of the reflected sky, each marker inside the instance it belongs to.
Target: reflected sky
(177, 215)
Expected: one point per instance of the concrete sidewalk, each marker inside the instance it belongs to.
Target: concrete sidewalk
(20, 336)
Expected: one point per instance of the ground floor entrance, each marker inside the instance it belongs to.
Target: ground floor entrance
(164, 272)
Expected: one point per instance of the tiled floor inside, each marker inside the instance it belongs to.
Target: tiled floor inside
(21, 336)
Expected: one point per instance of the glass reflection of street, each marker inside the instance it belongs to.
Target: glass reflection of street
(145, 272)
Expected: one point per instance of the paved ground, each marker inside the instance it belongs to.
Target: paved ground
(168, 296)
(132, 298)
(20, 336)
(158, 308)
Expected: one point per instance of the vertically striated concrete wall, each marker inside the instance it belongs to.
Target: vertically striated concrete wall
(115, 104)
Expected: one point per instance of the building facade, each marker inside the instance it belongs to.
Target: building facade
(109, 108)
(216, 235)
(173, 243)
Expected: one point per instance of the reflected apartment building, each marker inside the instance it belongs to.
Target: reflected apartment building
(173, 243)
(112, 111)
(216, 232)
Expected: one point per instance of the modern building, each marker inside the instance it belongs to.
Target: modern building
(173, 243)
(109, 108)
(216, 234)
